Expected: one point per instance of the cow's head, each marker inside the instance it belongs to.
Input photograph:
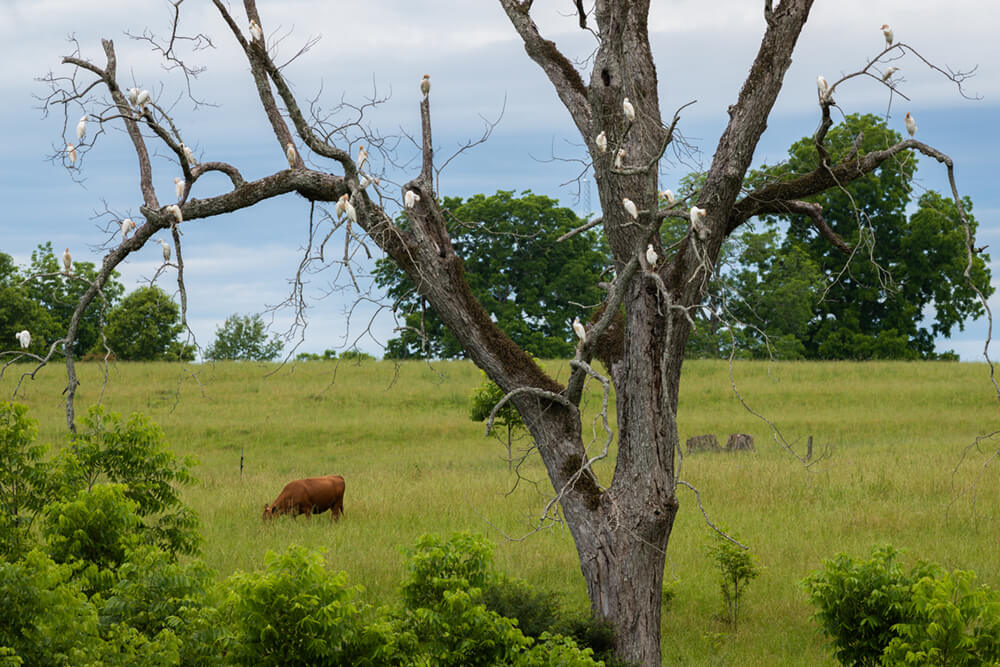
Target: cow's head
(268, 512)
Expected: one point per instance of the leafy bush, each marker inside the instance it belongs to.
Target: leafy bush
(436, 566)
(243, 338)
(737, 568)
(537, 612)
(23, 479)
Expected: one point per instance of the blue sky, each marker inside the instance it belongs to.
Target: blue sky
(242, 262)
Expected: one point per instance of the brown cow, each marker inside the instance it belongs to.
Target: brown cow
(309, 496)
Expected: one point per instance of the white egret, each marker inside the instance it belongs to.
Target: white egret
(911, 125)
(362, 157)
(255, 30)
(651, 256)
(71, 152)
(889, 72)
(697, 218)
(143, 99)
(887, 33)
(175, 211)
(344, 204)
(669, 196)
(410, 198)
(179, 187)
(620, 158)
(628, 109)
(367, 180)
(340, 204)
(81, 128)
(425, 84)
(67, 262)
(602, 142)
(823, 88)
(133, 96)
(290, 154)
(630, 208)
(126, 225)
(166, 249)
(581, 333)
(24, 338)
(188, 154)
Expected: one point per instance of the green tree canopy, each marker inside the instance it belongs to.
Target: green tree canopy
(904, 286)
(18, 311)
(145, 327)
(530, 285)
(243, 338)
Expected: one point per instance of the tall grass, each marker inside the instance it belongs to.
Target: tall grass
(415, 463)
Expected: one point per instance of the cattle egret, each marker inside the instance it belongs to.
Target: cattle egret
(166, 249)
(175, 211)
(581, 333)
(651, 256)
(823, 88)
(340, 204)
(367, 180)
(410, 198)
(620, 158)
(425, 84)
(179, 187)
(67, 262)
(81, 127)
(889, 72)
(188, 154)
(362, 157)
(143, 99)
(669, 196)
(697, 217)
(71, 152)
(126, 225)
(628, 109)
(887, 32)
(602, 142)
(630, 208)
(911, 125)
(290, 154)
(24, 338)
(133, 96)
(344, 205)
(255, 30)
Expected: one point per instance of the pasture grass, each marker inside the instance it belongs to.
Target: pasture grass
(894, 435)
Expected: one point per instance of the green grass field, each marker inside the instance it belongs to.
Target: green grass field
(415, 463)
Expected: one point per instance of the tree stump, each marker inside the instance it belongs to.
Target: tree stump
(740, 442)
(703, 443)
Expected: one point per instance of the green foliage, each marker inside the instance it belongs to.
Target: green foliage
(135, 454)
(537, 612)
(435, 566)
(19, 311)
(737, 568)
(243, 338)
(526, 281)
(145, 327)
(23, 479)
(312, 356)
(861, 602)
(953, 622)
(295, 613)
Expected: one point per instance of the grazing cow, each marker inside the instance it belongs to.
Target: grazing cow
(309, 496)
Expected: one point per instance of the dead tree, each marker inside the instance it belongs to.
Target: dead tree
(620, 526)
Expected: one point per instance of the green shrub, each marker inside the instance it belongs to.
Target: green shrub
(537, 612)
(737, 568)
(24, 479)
(435, 566)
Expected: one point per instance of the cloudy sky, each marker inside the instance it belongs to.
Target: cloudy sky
(370, 49)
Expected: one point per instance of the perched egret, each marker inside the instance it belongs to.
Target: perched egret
(823, 88)
(602, 142)
(179, 187)
(367, 180)
(697, 217)
(290, 154)
(81, 128)
(24, 338)
(630, 208)
(255, 30)
(347, 208)
(340, 204)
(71, 152)
(126, 225)
(133, 96)
(669, 196)
(362, 157)
(67, 262)
(581, 333)
(889, 72)
(911, 125)
(143, 99)
(651, 256)
(188, 155)
(425, 84)
(628, 109)
(175, 211)
(620, 158)
(887, 33)
(166, 249)
(410, 198)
